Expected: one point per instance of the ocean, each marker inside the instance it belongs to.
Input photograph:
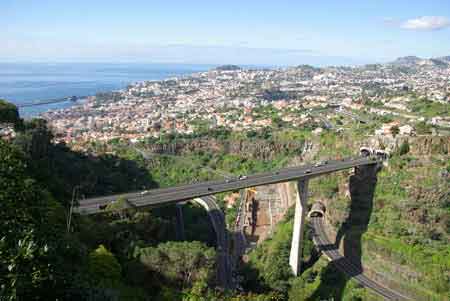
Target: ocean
(29, 82)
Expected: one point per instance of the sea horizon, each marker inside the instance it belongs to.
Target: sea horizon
(22, 82)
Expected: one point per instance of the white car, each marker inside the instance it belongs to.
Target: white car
(145, 192)
(242, 177)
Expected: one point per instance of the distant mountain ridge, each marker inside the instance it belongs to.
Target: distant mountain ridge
(412, 61)
(228, 68)
(444, 58)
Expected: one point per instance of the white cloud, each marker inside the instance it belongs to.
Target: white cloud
(426, 23)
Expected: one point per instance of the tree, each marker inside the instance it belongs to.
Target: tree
(180, 262)
(104, 269)
(32, 240)
(9, 113)
(395, 130)
(404, 148)
(277, 121)
(268, 266)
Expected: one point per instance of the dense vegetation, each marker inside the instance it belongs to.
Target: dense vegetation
(135, 255)
(428, 108)
(129, 256)
(9, 113)
(391, 232)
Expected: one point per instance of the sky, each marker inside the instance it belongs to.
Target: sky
(281, 32)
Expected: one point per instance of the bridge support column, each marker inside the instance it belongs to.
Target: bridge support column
(299, 222)
(179, 230)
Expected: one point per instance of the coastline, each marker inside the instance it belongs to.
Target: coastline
(28, 82)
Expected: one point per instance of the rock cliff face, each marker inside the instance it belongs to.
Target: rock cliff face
(420, 146)
(306, 150)
(259, 149)
(270, 204)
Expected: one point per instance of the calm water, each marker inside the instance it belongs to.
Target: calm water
(23, 83)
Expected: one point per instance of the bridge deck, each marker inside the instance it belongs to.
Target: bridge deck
(176, 194)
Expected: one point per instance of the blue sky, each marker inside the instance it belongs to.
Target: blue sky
(243, 32)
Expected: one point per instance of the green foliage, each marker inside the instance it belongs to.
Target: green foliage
(197, 224)
(35, 140)
(208, 294)
(423, 128)
(404, 148)
(32, 235)
(395, 130)
(384, 118)
(182, 263)
(9, 113)
(95, 175)
(327, 186)
(37, 258)
(24, 271)
(427, 108)
(323, 281)
(434, 263)
(268, 267)
(277, 122)
(104, 269)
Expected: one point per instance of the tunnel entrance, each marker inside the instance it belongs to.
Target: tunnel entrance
(317, 210)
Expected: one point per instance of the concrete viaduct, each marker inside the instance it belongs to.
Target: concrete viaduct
(198, 192)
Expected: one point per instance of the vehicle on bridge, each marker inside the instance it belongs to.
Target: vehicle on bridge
(321, 163)
(145, 192)
(317, 210)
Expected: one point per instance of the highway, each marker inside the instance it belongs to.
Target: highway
(346, 266)
(157, 197)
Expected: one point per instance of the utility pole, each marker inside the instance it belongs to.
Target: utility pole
(74, 195)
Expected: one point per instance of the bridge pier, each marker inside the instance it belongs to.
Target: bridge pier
(179, 220)
(299, 222)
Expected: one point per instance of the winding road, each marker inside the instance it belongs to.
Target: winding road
(346, 266)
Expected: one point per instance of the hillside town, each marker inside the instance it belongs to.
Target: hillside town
(402, 95)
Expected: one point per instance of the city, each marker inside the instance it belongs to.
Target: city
(233, 98)
(225, 150)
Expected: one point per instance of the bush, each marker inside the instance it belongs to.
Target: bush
(104, 269)
(180, 262)
(9, 113)
(404, 148)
